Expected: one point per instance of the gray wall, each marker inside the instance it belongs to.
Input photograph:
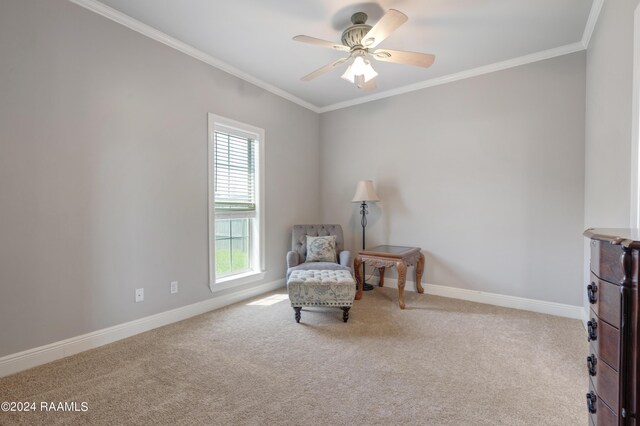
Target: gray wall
(608, 135)
(103, 171)
(609, 117)
(485, 174)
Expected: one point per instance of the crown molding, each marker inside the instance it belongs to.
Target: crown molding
(498, 66)
(596, 7)
(144, 29)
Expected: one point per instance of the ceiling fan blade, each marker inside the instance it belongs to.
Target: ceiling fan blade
(424, 60)
(324, 69)
(385, 26)
(369, 86)
(320, 42)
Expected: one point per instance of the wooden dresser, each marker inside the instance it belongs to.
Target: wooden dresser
(613, 327)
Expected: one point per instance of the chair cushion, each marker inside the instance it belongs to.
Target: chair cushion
(321, 288)
(321, 249)
(330, 266)
(300, 232)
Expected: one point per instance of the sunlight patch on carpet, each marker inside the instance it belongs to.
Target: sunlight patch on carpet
(268, 301)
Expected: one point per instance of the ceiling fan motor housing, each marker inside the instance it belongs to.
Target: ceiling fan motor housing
(352, 36)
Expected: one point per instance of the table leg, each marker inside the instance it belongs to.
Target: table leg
(401, 266)
(381, 273)
(419, 271)
(357, 266)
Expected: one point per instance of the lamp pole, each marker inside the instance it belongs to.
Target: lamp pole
(363, 221)
(363, 212)
(364, 192)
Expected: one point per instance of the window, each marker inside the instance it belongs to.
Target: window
(235, 224)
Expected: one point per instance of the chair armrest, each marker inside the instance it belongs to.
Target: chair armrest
(292, 259)
(345, 258)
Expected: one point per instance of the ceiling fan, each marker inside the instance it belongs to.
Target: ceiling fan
(359, 40)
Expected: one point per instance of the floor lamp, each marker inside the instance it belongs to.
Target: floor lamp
(365, 193)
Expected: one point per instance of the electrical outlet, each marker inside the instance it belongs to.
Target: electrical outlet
(139, 295)
(174, 287)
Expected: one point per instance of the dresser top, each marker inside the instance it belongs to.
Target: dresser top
(626, 237)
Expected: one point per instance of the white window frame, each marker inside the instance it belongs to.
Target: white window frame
(258, 229)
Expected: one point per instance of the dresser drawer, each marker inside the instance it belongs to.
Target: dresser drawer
(605, 341)
(606, 261)
(605, 380)
(605, 300)
(599, 413)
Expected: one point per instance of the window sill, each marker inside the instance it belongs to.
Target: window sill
(236, 280)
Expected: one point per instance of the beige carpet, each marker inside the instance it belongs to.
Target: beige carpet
(439, 362)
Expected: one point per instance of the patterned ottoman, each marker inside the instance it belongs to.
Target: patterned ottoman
(321, 288)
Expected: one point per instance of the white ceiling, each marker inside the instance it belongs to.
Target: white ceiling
(254, 36)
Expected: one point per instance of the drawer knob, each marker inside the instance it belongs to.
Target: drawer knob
(592, 289)
(592, 328)
(591, 402)
(591, 364)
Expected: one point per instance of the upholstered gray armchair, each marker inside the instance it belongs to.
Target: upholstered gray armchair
(298, 254)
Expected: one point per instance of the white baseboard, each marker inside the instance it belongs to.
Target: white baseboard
(20, 361)
(541, 306)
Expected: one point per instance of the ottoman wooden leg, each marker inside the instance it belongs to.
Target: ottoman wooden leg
(345, 313)
(297, 309)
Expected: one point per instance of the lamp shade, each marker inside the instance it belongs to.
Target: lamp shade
(365, 192)
(358, 71)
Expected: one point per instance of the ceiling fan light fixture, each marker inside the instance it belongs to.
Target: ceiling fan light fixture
(359, 72)
(369, 72)
(349, 75)
(359, 66)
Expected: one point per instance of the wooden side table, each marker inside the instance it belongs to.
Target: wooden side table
(383, 257)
